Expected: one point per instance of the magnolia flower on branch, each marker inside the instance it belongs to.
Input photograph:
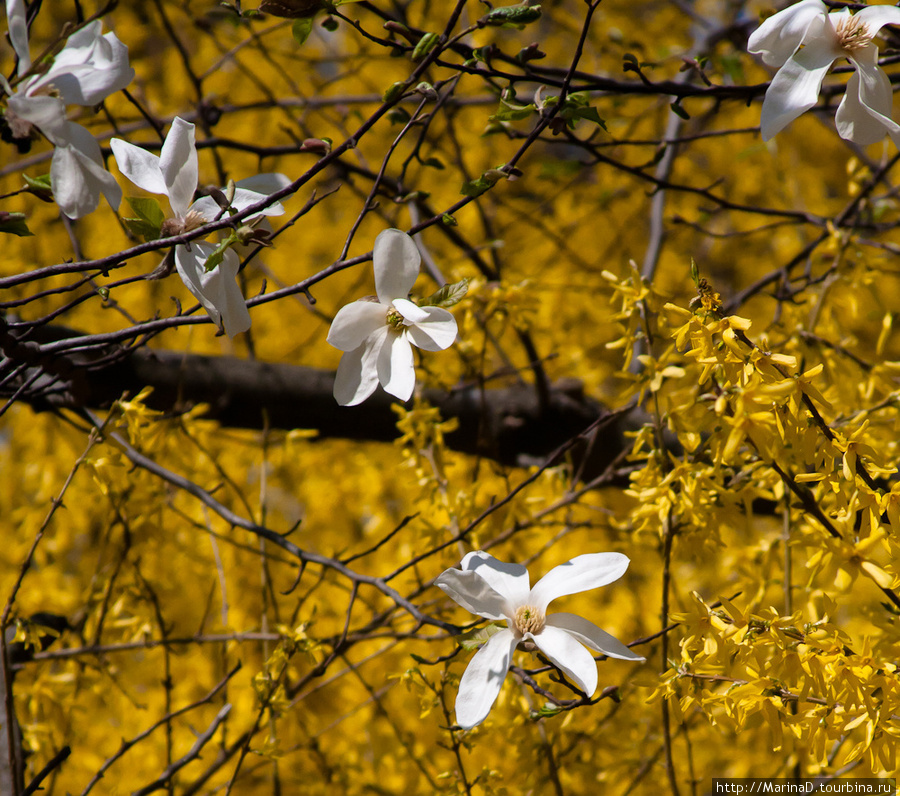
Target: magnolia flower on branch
(377, 335)
(803, 41)
(500, 591)
(85, 72)
(174, 174)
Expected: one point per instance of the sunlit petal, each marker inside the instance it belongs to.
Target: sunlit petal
(396, 371)
(481, 682)
(589, 571)
(179, 165)
(779, 36)
(396, 260)
(354, 323)
(508, 580)
(569, 656)
(592, 636)
(473, 593)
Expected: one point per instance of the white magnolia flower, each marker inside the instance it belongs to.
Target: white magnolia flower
(174, 174)
(89, 68)
(804, 40)
(377, 335)
(496, 590)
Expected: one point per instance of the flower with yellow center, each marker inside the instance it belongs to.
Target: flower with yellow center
(803, 41)
(496, 590)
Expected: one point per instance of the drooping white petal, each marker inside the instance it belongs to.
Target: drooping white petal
(481, 682)
(876, 17)
(18, 33)
(396, 260)
(795, 88)
(216, 290)
(244, 198)
(46, 113)
(357, 376)
(864, 115)
(592, 636)
(474, 593)
(396, 371)
(354, 323)
(436, 332)
(569, 656)
(179, 165)
(779, 36)
(139, 166)
(78, 177)
(589, 571)
(508, 580)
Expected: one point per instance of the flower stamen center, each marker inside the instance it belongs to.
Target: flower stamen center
(178, 226)
(528, 619)
(394, 319)
(852, 35)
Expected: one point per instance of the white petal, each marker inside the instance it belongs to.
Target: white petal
(396, 371)
(779, 36)
(266, 183)
(244, 198)
(481, 682)
(78, 177)
(508, 580)
(864, 115)
(354, 323)
(216, 290)
(876, 17)
(567, 654)
(357, 377)
(592, 636)
(46, 113)
(396, 260)
(18, 32)
(412, 313)
(179, 165)
(589, 571)
(794, 90)
(139, 166)
(436, 332)
(473, 593)
(90, 67)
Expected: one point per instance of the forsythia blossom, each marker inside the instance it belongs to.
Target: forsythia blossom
(86, 71)
(175, 174)
(496, 590)
(377, 336)
(803, 41)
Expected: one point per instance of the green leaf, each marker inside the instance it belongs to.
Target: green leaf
(301, 28)
(14, 224)
(218, 254)
(483, 183)
(448, 220)
(473, 639)
(513, 16)
(40, 186)
(149, 217)
(426, 44)
(512, 113)
(448, 295)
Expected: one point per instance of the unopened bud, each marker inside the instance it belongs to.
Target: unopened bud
(316, 146)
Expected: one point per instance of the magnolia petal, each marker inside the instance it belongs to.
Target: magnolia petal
(396, 371)
(78, 177)
(592, 636)
(216, 290)
(354, 323)
(179, 165)
(876, 17)
(473, 593)
(779, 36)
(589, 571)
(357, 377)
(18, 33)
(864, 115)
(412, 313)
(396, 260)
(436, 332)
(568, 655)
(793, 91)
(46, 113)
(139, 166)
(508, 580)
(90, 67)
(481, 682)
(244, 198)
(266, 183)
